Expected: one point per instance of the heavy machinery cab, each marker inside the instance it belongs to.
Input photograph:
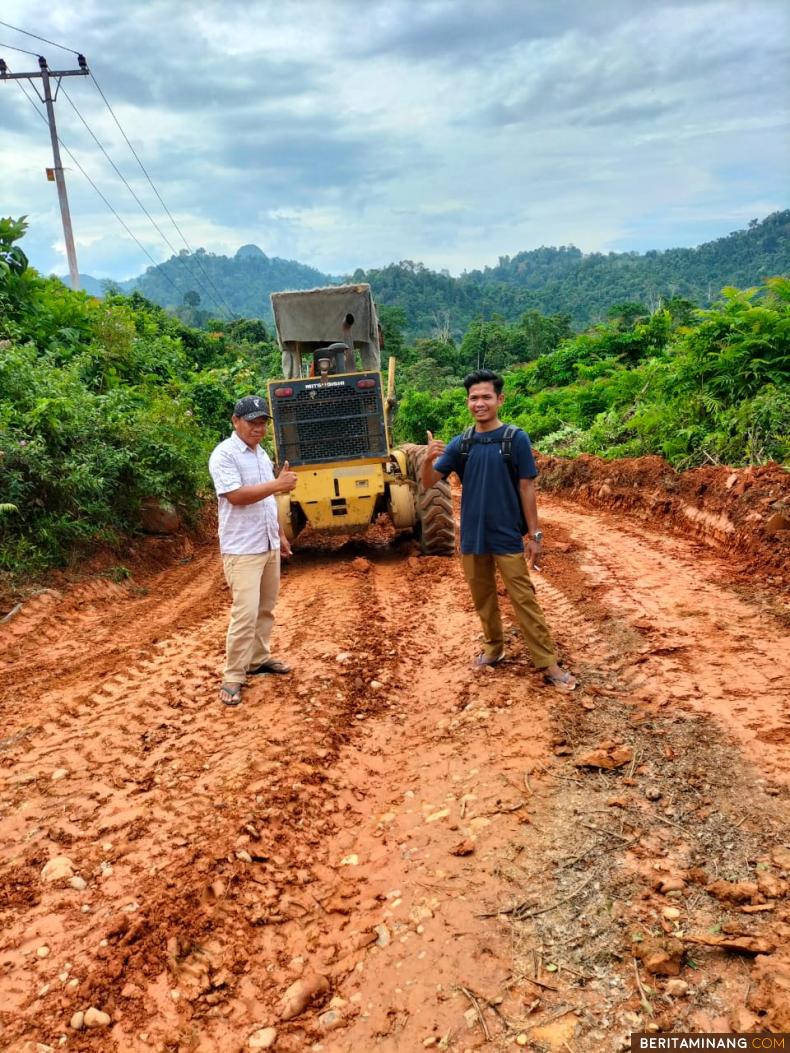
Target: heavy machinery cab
(331, 423)
(315, 320)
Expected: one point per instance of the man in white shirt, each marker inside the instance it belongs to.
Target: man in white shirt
(251, 541)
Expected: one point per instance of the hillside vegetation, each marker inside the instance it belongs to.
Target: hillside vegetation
(241, 283)
(549, 280)
(566, 281)
(104, 403)
(694, 385)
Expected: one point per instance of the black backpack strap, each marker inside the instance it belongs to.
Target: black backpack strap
(507, 452)
(507, 456)
(507, 443)
(466, 443)
(463, 450)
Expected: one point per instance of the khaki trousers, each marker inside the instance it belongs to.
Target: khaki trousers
(480, 572)
(254, 582)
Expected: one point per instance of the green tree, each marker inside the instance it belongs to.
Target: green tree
(544, 333)
(393, 325)
(626, 315)
(12, 258)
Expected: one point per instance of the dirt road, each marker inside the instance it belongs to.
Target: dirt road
(383, 851)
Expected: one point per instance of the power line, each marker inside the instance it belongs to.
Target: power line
(27, 34)
(128, 186)
(20, 50)
(101, 195)
(197, 259)
(215, 294)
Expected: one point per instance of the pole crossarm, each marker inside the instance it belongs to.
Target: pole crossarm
(52, 73)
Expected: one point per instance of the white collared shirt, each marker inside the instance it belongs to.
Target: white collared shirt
(244, 530)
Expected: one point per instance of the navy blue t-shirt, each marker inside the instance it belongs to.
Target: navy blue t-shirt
(490, 509)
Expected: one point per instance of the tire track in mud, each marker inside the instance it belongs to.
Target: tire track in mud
(702, 646)
(413, 911)
(88, 634)
(144, 753)
(173, 723)
(227, 853)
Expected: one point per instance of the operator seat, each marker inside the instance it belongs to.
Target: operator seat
(336, 353)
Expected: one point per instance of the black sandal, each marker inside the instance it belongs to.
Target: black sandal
(271, 665)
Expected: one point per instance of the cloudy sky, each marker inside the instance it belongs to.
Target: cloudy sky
(451, 132)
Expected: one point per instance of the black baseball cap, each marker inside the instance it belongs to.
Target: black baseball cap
(251, 407)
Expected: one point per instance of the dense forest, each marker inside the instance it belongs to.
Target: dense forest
(549, 280)
(239, 285)
(565, 281)
(694, 385)
(107, 402)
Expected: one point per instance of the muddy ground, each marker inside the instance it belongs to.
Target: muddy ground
(384, 851)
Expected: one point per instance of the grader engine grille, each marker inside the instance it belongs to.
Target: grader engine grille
(331, 421)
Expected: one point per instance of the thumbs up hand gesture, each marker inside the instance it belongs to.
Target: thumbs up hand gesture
(287, 479)
(434, 449)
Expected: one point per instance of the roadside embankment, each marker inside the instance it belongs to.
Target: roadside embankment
(744, 510)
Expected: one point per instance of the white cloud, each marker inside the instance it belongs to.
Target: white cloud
(450, 131)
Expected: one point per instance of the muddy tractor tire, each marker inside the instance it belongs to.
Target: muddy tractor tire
(435, 527)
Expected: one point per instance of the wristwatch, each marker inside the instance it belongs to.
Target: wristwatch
(537, 536)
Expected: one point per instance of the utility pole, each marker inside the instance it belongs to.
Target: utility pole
(48, 99)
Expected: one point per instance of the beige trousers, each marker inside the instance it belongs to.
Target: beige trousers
(254, 582)
(480, 572)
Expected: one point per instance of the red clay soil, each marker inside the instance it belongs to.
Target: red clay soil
(744, 510)
(384, 851)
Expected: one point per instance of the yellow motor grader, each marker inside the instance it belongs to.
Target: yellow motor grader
(332, 423)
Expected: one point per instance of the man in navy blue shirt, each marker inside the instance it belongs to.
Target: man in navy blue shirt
(497, 502)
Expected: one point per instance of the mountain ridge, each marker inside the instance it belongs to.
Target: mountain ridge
(549, 279)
